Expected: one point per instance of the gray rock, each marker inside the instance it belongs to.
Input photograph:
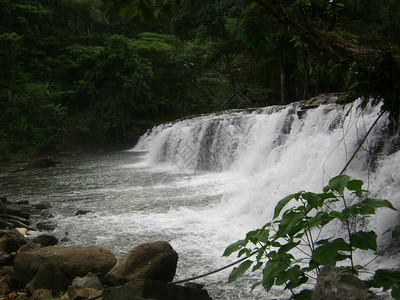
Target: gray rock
(49, 277)
(46, 226)
(150, 260)
(42, 205)
(11, 240)
(90, 281)
(337, 284)
(157, 290)
(72, 261)
(19, 210)
(82, 212)
(6, 259)
(46, 240)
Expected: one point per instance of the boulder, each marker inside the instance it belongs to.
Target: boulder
(335, 283)
(19, 210)
(46, 240)
(82, 212)
(4, 224)
(72, 261)
(42, 294)
(150, 260)
(49, 277)
(90, 281)
(42, 205)
(11, 240)
(6, 259)
(157, 290)
(80, 293)
(4, 288)
(46, 226)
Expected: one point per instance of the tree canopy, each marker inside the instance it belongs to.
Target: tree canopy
(93, 73)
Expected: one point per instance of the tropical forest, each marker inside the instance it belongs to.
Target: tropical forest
(199, 150)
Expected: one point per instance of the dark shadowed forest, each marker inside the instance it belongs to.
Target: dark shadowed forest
(89, 73)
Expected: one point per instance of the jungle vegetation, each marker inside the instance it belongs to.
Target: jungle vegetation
(91, 73)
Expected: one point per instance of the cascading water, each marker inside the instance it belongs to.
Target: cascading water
(266, 154)
(203, 183)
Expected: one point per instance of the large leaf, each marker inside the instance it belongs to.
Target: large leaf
(234, 247)
(325, 255)
(240, 270)
(385, 278)
(355, 185)
(364, 240)
(378, 203)
(288, 222)
(281, 204)
(339, 183)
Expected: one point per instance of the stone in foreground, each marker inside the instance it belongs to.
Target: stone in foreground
(156, 261)
(72, 261)
(152, 289)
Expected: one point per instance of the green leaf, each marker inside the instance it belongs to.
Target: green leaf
(338, 215)
(396, 293)
(239, 271)
(287, 223)
(364, 240)
(313, 199)
(325, 255)
(257, 266)
(378, 203)
(385, 278)
(281, 204)
(355, 185)
(234, 247)
(287, 247)
(339, 183)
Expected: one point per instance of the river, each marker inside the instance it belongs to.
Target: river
(202, 183)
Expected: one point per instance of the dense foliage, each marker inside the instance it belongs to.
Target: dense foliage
(79, 72)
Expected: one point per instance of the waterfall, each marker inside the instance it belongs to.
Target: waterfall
(278, 150)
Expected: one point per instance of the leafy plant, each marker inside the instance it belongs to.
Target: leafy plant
(290, 249)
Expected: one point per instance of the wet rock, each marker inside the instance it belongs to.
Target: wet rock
(72, 261)
(43, 205)
(15, 223)
(152, 289)
(19, 210)
(46, 162)
(25, 202)
(82, 212)
(46, 214)
(77, 293)
(11, 240)
(11, 217)
(150, 260)
(337, 284)
(90, 281)
(4, 288)
(46, 226)
(50, 277)
(46, 240)
(42, 294)
(4, 224)
(30, 245)
(6, 259)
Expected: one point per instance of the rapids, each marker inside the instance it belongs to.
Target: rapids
(204, 182)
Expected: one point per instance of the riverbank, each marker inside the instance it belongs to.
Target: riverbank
(34, 266)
